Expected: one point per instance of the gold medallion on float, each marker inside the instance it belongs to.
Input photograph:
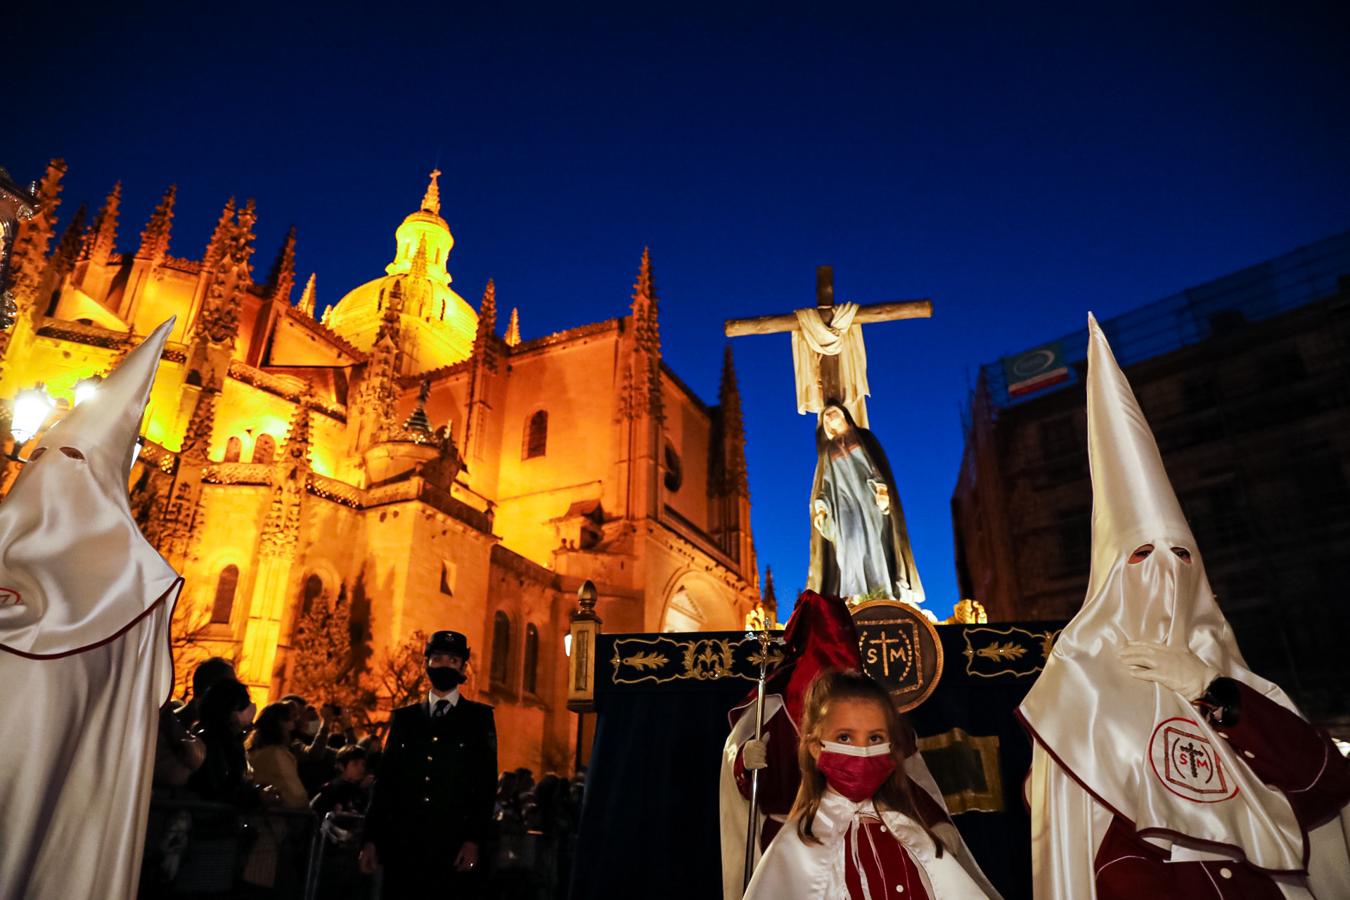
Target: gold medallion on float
(900, 648)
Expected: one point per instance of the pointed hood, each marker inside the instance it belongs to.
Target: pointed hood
(1109, 732)
(75, 570)
(1132, 498)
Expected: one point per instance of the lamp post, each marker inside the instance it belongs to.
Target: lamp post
(580, 646)
(31, 409)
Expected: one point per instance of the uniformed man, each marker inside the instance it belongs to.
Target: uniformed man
(432, 803)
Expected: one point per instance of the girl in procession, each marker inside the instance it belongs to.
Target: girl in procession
(861, 828)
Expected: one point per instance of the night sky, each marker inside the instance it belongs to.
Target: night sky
(1018, 168)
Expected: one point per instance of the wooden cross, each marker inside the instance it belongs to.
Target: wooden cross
(830, 387)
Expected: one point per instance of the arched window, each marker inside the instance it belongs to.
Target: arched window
(224, 602)
(194, 378)
(531, 659)
(234, 448)
(264, 448)
(674, 470)
(313, 590)
(501, 649)
(536, 435)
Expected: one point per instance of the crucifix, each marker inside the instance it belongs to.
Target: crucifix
(830, 382)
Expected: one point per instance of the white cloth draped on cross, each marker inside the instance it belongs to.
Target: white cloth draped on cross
(811, 340)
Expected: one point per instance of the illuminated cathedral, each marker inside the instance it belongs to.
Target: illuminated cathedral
(398, 453)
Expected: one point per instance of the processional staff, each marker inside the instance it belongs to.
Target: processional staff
(752, 831)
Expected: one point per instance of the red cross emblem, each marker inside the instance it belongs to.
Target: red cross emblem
(1184, 761)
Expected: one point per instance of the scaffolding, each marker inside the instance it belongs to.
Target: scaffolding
(1218, 307)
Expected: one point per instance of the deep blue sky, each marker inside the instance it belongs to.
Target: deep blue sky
(1017, 166)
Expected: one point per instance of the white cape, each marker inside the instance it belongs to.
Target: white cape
(795, 870)
(85, 606)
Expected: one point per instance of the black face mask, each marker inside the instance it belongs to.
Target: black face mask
(444, 678)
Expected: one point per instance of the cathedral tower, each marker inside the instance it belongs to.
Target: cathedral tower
(438, 325)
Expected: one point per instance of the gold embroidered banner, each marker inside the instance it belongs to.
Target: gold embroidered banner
(1008, 651)
(703, 657)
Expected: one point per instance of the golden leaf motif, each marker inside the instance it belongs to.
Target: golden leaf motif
(707, 660)
(1002, 652)
(771, 660)
(645, 660)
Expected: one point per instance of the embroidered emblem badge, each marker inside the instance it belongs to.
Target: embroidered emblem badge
(1184, 761)
(10, 597)
(899, 648)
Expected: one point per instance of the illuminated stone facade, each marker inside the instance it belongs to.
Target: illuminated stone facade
(398, 454)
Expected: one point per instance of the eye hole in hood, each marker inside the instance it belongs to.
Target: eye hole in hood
(72, 453)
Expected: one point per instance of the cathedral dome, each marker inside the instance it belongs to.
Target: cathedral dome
(438, 324)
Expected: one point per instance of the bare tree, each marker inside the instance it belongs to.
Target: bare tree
(189, 642)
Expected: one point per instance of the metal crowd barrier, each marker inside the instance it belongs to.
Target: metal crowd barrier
(199, 849)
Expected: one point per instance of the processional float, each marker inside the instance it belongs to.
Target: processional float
(652, 692)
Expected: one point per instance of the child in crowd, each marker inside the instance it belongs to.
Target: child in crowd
(347, 793)
(861, 828)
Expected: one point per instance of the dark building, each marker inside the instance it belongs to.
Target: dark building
(1246, 382)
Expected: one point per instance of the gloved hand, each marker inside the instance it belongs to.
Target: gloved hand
(1172, 667)
(755, 754)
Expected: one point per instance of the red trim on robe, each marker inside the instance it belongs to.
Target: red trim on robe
(886, 864)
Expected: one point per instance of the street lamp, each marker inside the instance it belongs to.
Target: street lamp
(580, 646)
(31, 409)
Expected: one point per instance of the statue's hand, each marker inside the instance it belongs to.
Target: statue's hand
(882, 494)
(820, 518)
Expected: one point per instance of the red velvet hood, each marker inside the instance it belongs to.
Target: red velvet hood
(819, 635)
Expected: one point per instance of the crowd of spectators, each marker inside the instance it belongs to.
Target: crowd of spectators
(292, 768)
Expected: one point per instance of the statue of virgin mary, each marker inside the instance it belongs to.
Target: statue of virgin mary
(859, 543)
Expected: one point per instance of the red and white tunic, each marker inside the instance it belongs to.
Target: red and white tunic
(1283, 751)
(862, 853)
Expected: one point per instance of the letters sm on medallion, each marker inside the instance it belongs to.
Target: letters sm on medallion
(900, 648)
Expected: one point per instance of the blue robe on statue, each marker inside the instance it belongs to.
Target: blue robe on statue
(857, 547)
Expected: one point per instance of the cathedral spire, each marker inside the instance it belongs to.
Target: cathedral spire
(282, 277)
(733, 427)
(200, 427)
(298, 437)
(645, 324)
(418, 267)
(155, 237)
(68, 249)
(770, 598)
(487, 311)
(307, 304)
(431, 200)
(485, 341)
(104, 239)
(214, 247)
(513, 328)
(231, 247)
(243, 242)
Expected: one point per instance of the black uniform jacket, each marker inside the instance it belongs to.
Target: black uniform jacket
(437, 779)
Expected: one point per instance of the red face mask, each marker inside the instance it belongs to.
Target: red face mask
(856, 772)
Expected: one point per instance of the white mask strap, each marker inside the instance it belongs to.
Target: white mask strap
(856, 750)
